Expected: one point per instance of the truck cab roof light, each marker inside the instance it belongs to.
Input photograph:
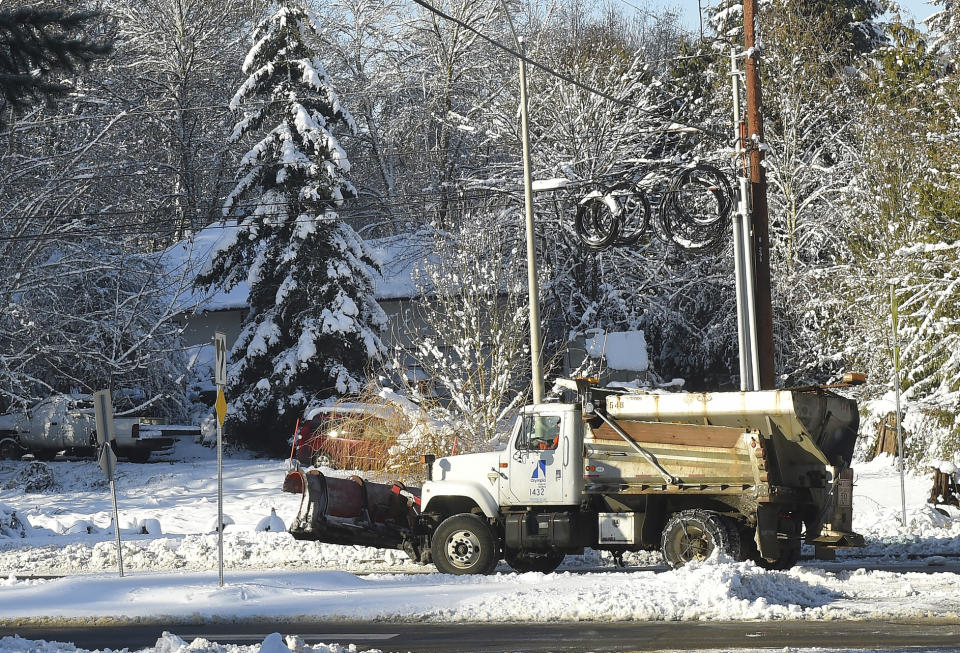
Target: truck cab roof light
(854, 378)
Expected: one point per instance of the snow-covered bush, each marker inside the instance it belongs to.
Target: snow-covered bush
(34, 477)
(10, 524)
(470, 356)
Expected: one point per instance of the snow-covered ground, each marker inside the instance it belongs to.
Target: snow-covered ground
(172, 574)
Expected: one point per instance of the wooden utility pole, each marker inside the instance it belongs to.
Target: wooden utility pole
(763, 301)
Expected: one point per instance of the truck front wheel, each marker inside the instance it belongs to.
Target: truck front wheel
(464, 544)
(10, 449)
(693, 535)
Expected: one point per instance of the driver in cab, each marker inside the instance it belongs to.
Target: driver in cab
(547, 433)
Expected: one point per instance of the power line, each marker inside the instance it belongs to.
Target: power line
(223, 107)
(136, 228)
(167, 169)
(474, 190)
(562, 76)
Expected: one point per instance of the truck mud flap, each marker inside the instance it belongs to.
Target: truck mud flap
(838, 532)
(352, 511)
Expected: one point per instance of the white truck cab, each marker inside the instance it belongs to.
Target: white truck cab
(540, 466)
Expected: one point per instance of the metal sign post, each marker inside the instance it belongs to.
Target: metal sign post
(220, 379)
(106, 458)
(896, 388)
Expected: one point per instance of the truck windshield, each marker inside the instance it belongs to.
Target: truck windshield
(539, 433)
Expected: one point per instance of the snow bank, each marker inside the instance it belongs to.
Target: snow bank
(709, 591)
(169, 643)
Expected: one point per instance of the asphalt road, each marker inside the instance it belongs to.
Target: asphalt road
(482, 638)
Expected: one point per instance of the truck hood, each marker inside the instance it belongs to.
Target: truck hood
(14, 423)
(465, 467)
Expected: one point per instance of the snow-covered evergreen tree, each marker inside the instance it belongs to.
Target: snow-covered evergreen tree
(313, 324)
(37, 43)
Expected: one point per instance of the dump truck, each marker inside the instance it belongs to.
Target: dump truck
(750, 474)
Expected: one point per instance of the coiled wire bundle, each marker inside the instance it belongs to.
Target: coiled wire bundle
(693, 212)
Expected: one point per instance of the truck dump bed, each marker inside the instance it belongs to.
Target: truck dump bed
(698, 455)
(724, 440)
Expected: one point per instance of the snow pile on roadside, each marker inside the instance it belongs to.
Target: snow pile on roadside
(720, 591)
(241, 550)
(709, 591)
(170, 643)
(878, 514)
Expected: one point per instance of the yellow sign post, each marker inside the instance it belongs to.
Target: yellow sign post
(221, 406)
(220, 379)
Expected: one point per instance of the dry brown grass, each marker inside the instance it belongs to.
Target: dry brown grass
(391, 444)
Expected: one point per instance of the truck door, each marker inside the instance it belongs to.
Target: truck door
(539, 469)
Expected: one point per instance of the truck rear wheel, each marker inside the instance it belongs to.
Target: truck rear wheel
(464, 544)
(137, 455)
(524, 561)
(693, 535)
(790, 547)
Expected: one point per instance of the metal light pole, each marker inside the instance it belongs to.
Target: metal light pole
(743, 253)
(533, 287)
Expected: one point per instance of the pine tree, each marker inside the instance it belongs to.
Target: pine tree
(313, 323)
(36, 43)
(909, 232)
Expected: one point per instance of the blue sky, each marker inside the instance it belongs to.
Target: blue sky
(918, 9)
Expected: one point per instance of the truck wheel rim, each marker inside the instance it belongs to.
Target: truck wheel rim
(694, 544)
(463, 549)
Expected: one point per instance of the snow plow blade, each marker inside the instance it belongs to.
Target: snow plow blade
(352, 510)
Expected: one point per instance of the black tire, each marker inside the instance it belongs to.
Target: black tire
(137, 455)
(522, 561)
(10, 449)
(790, 547)
(693, 535)
(464, 544)
(597, 223)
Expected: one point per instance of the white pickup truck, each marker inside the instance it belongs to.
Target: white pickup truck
(65, 423)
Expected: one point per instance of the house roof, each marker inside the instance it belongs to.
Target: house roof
(399, 257)
(186, 259)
